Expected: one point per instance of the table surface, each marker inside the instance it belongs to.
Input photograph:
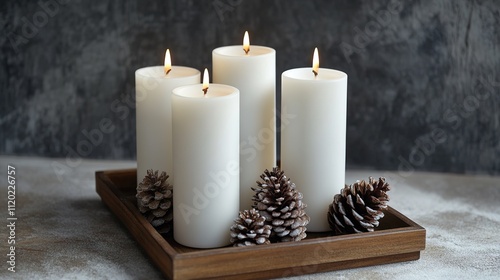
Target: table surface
(63, 230)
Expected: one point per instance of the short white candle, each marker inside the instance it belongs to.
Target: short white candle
(154, 115)
(254, 74)
(313, 143)
(206, 164)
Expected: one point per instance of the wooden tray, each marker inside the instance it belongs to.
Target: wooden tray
(397, 239)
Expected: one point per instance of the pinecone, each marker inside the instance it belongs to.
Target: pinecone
(154, 198)
(250, 229)
(280, 203)
(359, 207)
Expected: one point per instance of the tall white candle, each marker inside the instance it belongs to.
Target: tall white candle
(154, 115)
(206, 164)
(313, 143)
(253, 73)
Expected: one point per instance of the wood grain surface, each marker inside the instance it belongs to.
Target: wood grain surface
(397, 239)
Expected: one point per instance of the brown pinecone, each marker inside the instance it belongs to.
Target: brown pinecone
(280, 203)
(359, 207)
(250, 229)
(154, 198)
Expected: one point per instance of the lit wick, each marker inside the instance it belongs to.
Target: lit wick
(204, 88)
(315, 62)
(246, 43)
(168, 63)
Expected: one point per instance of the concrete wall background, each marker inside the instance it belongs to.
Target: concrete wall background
(423, 76)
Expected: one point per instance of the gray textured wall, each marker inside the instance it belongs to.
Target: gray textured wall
(423, 75)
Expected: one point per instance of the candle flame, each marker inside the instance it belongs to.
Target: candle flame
(315, 67)
(168, 62)
(205, 82)
(246, 43)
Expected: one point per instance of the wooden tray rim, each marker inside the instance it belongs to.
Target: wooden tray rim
(174, 255)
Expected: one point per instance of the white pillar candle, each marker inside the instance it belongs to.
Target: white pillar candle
(154, 115)
(206, 164)
(254, 75)
(313, 143)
